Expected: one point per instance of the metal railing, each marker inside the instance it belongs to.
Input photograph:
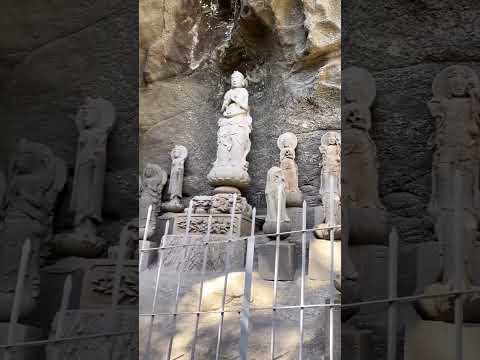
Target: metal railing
(11, 346)
(246, 309)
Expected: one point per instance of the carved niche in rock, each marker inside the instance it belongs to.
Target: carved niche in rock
(230, 170)
(287, 144)
(36, 176)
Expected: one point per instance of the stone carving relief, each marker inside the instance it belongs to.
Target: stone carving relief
(219, 226)
(230, 170)
(275, 195)
(95, 119)
(455, 107)
(330, 149)
(179, 155)
(36, 176)
(287, 144)
(153, 180)
(220, 204)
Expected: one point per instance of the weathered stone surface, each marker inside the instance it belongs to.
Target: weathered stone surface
(22, 333)
(287, 264)
(319, 259)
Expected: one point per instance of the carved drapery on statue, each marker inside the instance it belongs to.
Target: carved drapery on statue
(359, 156)
(287, 144)
(455, 106)
(94, 120)
(330, 179)
(230, 170)
(179, 155)
(276, 198)
(36, 176)
(152, 183)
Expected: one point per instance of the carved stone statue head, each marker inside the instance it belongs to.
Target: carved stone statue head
(152, 170)
(287, 140)
(330, 138)
(179, 152)
(455, 81)
(238, 80)
(274, 179)
(95, 113)
(358, 86)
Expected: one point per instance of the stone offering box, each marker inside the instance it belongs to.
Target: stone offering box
(191, 257)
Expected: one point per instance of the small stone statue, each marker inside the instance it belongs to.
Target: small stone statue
(359, 155)
(287, 143)
(36, 177)
(275, 195)
(230, 170)
(153, 181)
(330, 149)
(456, 109)
(178, 155)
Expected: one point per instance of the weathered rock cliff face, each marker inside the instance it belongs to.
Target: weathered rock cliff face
(289, 51)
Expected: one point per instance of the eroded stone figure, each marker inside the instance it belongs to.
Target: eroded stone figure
(330, 149)
(178, 155)
(359, 156)
(455, 106)
(95, 119)
(276, 202)
(36, 176)
(230, 170)
(359, 151)
(153, 180)
(287, 144)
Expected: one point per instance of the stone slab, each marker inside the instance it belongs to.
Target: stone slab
(436, 340)
(371, 263)
(319, 259)
(356, 344)
(190, 258)
(23, 333)
(90, 322)
(286, 264)
(91, 285)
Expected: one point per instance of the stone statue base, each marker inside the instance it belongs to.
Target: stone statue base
(174, 206)
(436, 340)
(77, 244)
(228, 176)
(270, 227)
(22, 333)
(294, 199)
(442, 308)
(286, 261)
(356, 344)
(322, 231)
(190, 259)
(92, 281)
(319, 260)
(91, 322)
(368, 226)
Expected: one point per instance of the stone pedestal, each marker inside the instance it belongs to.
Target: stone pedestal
(368, 226)
(190, 258)
(92, 284)
(356, 343)
(371, 263)
(319, 259)
(286, 261)
(90, 322)
(436, 340)
(23, 333)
